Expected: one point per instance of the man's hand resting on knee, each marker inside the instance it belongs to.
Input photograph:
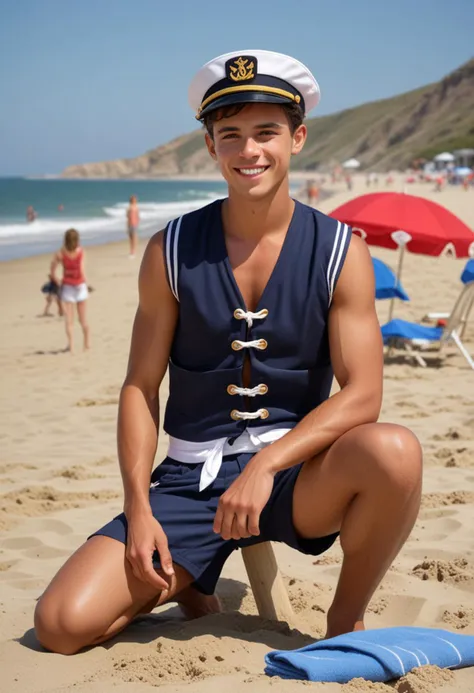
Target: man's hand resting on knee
(145, 535)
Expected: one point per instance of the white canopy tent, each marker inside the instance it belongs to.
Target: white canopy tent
(351, 163)
(445, 157)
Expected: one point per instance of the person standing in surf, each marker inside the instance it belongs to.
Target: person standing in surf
(133, 221)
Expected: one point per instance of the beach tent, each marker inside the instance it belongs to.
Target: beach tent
(464, 157)
(351, 163)
(444, 157)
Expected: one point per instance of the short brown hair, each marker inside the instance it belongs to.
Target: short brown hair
(293, 112)
(71, 240)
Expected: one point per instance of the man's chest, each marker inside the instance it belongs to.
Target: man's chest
(253, 267)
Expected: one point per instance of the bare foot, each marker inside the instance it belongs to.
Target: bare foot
(194, 604)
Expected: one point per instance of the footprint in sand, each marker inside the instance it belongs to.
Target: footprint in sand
(452, 457)
(305, 596)
(97, 402)
(439, 529)
(397, 609)
(451, 434)
(435, 500)
(435, 513)
(50, 525)
(28, 583)
(457, 570)
(21, 543)
(6, 565)
(40, 500)
(404, 403)
(416, 415)
(6, 468)
(78, 473)
(105, 460)
(45, 552)
(458, 618)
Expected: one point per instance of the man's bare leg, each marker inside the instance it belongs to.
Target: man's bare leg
(95, 595)
(367, 485)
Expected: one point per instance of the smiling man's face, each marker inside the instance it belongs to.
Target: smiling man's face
(253, 148)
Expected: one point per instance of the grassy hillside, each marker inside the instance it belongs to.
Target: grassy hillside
(384, 135)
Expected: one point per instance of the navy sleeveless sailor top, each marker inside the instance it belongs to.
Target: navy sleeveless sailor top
(286, 338)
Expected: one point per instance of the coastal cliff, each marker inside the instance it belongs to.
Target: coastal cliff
(386, 134)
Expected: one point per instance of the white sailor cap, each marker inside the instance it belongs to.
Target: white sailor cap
(252, 76)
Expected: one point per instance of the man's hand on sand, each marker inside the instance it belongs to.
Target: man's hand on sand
(239, 509)
(145, 534)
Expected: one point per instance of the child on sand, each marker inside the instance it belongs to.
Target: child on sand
(253, 303)
(74, 290)
(52, 291)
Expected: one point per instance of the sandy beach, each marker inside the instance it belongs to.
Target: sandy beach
(60, 481)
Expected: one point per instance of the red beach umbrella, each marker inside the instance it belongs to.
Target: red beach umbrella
(397, 220)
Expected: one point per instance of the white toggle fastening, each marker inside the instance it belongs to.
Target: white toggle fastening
(261, 344)
(248, 316)
(259, 414)
(249, 391)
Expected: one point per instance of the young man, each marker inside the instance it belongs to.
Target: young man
(253, 302)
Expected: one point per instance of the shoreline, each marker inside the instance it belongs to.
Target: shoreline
(210, 177)
(47, 245)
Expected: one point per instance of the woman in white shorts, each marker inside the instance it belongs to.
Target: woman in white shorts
(73, 286)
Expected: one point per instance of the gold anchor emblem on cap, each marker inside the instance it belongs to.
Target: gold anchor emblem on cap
(241, 70)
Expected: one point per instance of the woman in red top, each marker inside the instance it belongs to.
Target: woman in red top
(73, 286)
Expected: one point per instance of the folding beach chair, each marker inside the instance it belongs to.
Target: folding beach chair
(409, 334)
(467, 276)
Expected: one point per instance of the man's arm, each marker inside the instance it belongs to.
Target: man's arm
(138, 418)
(357, 357)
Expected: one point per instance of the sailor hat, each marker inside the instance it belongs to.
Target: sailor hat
(252, 76)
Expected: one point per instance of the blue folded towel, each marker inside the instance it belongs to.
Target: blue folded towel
(375, 655)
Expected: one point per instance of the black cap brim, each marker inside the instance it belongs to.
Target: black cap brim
(243, 98)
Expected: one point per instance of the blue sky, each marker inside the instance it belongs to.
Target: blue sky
(102, 79)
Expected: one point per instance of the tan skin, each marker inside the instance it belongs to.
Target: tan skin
(359, 477)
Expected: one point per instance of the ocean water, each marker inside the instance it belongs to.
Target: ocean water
(96, 208)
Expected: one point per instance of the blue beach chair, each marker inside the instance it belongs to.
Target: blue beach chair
(466, 277)
(468, 272)
(386, 283)
(408, 334)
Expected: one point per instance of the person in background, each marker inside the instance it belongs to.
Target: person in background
(74, 288)
(30, 214)
(312, 192)
(133, 219)
(52, 290)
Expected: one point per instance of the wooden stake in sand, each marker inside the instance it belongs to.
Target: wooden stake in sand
(267, 584)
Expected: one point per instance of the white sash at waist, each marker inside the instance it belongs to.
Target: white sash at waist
(210, 452)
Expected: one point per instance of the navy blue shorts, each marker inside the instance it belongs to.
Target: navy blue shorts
(187, 516)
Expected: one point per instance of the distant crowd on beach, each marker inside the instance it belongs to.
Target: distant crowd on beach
(72, 288)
